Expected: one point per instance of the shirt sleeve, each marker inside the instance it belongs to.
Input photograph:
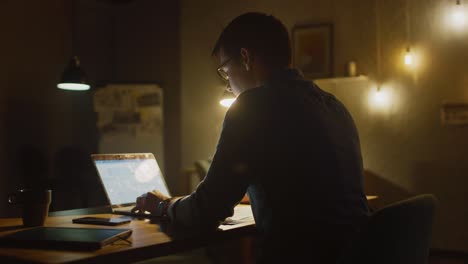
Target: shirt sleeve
(226, 181)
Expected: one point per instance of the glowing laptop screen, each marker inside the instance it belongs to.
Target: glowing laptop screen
(125, 177)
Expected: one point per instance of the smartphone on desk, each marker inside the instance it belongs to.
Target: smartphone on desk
(112, 221)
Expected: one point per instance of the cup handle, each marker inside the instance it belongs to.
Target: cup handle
(12, 198)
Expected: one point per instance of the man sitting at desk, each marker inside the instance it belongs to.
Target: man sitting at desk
(291, 146)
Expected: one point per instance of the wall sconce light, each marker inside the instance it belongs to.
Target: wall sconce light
(73, 77)
(227, 99)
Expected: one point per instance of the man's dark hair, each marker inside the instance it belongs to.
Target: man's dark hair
(263, 35)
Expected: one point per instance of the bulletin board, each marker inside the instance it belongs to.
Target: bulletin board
(130, 119)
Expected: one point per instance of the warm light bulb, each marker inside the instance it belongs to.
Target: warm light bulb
(227, 102)
(380, 99)
(458, 16)
(408, 58)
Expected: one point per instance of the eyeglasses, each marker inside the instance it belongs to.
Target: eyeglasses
(222, 73)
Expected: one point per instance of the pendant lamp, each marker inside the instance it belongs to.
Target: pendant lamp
(73, 77)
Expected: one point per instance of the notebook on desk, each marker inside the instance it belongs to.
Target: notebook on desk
(126, 176)
(64, 238)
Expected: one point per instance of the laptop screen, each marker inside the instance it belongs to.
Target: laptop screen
(129, 175)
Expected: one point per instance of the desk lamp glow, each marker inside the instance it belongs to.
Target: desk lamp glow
(227, 99)
(73, 77)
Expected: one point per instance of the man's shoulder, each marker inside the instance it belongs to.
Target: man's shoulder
(252, 94)
(250, 98)
(280, 94)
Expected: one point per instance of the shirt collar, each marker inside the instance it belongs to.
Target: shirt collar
(279, 77)
(284, 75)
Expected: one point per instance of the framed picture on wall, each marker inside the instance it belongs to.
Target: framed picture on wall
(313, 50)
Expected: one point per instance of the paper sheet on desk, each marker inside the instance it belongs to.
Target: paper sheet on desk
(242, 214)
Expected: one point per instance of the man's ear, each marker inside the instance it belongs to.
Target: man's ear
(246, 58)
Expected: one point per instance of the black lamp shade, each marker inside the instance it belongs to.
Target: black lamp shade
(73, 77)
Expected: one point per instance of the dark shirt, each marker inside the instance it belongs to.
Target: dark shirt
(295, 149)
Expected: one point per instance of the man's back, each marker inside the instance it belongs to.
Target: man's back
(295, 149)
(304, 165)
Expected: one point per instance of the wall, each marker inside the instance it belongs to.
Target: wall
(136, 41)
(34, 46)
(405, 148)
(3, 101)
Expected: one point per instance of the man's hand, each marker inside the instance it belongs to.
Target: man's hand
(148, 202)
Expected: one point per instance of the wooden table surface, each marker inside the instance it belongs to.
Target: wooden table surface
(148, 241)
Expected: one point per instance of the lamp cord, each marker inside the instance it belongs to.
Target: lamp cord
(73, 26)
(408, 24)
(377, 39)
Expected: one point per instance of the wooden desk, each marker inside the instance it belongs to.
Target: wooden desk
(148, 241)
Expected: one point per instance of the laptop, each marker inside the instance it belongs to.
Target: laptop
(125, 176)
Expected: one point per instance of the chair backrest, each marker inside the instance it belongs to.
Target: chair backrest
(399, 233)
